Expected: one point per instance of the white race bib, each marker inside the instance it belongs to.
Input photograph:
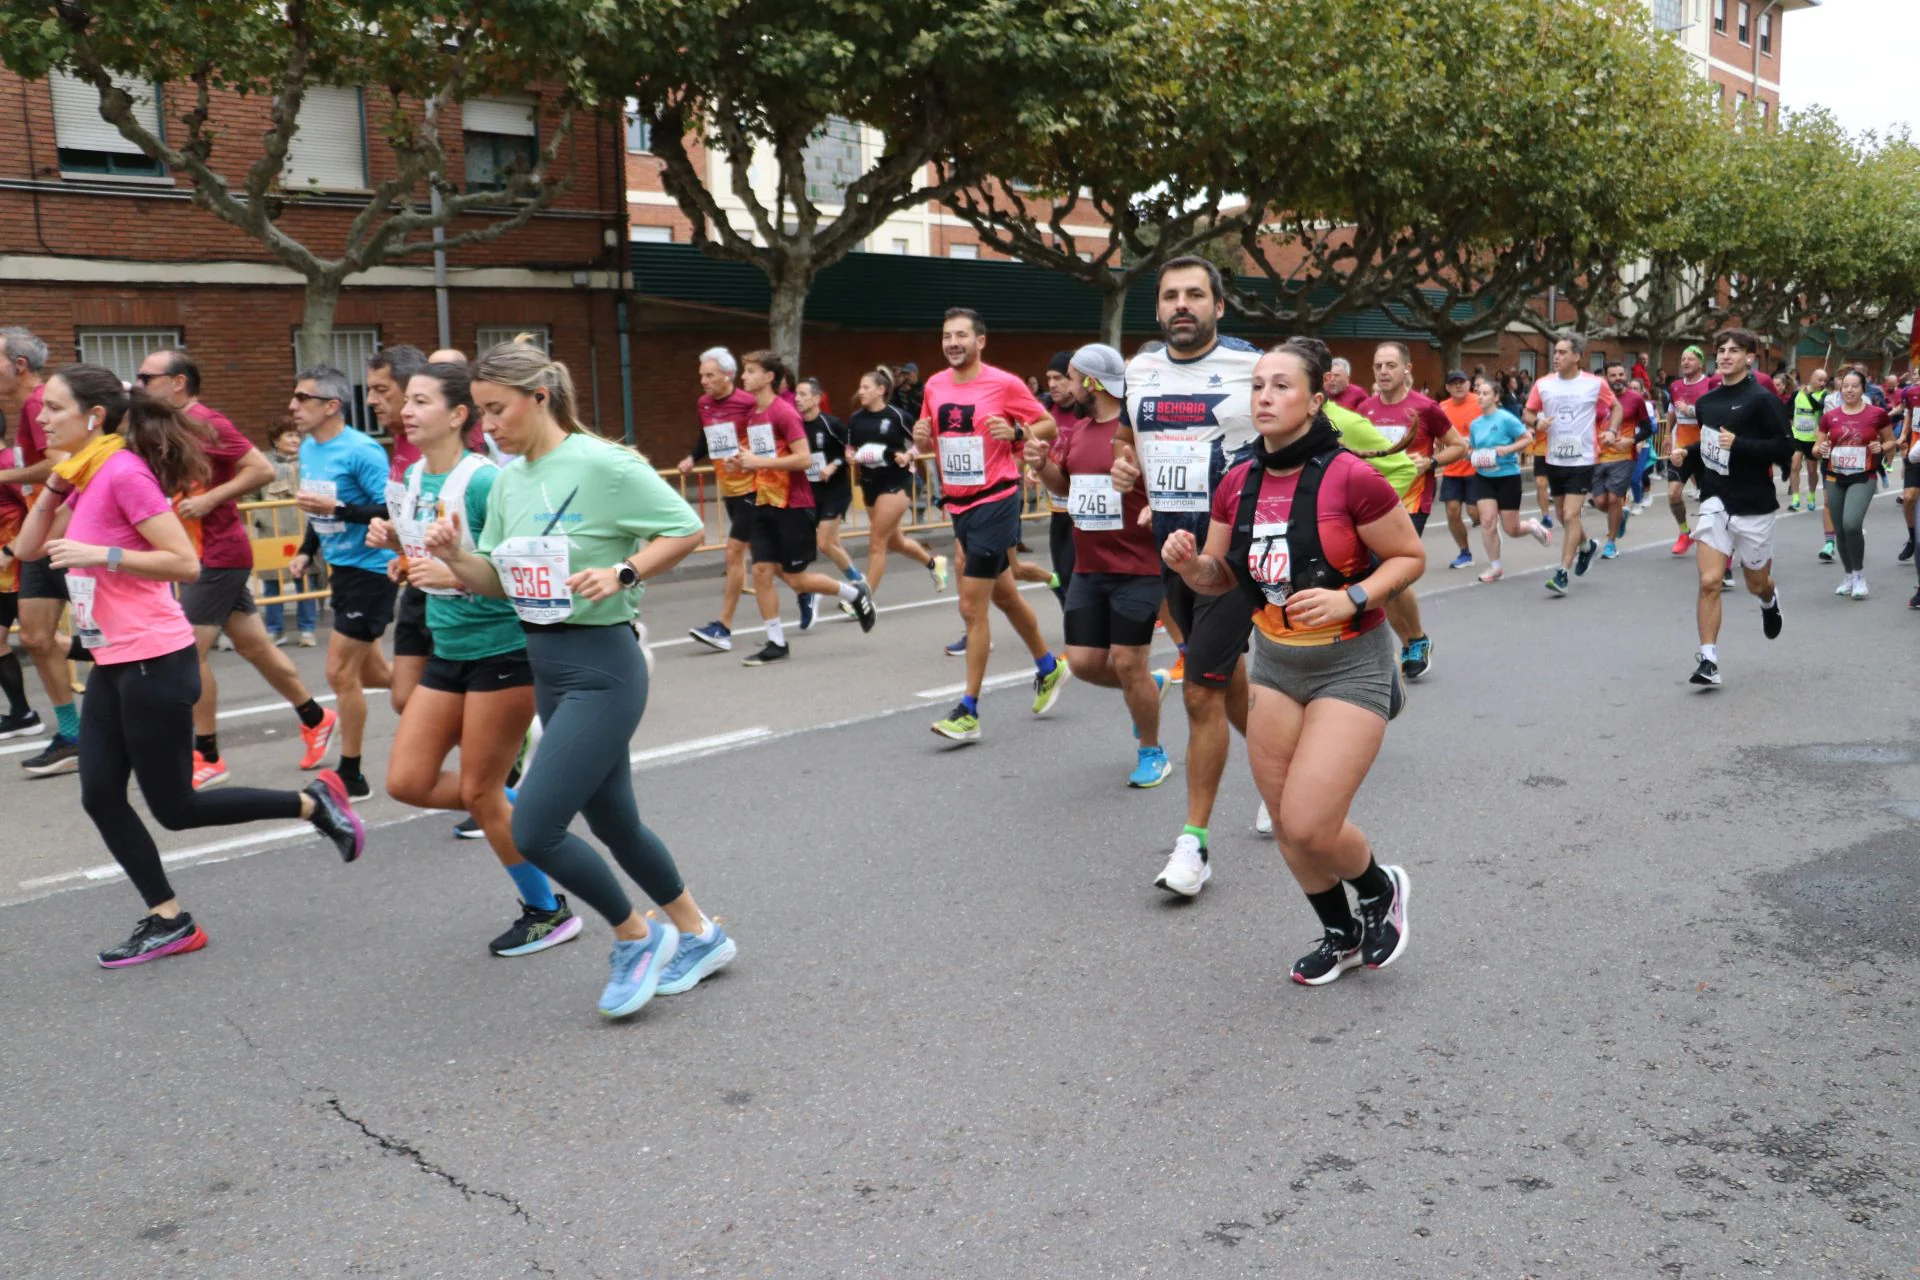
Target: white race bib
(396, 501)
(1094, 503)
(723, 440)
(1685, 413)
(327, 489)
(761, 441)
(1848, 459)
(80, 589)
(1271, 561)
(1178, 472)
(1718, 460)
(1393, 436)
(1568, 451)
(1484, 459)
(963, 461)
(871, 455)
(534, 572)
(816, 467)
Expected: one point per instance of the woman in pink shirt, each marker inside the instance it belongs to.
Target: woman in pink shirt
(104, 516)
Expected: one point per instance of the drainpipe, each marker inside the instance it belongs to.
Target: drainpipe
(440, 273)
(621, 320)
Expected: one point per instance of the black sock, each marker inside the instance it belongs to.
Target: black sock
(1372, 884)
(310, 713)
(12, 683)
(208, 745)
(349, 767)
(513, 776)
(1331, 906)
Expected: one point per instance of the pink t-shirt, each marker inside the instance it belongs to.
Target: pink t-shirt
(224, 543)
(405, 454)
(137, 617)
(959, 410)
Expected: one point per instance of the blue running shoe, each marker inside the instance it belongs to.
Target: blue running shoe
(1462, 561)
(696, 960)
(1417, 658)
(958, 649)
(1610, 551)
(1558, 582)
(1152, 769)
(714, 636)
(635, 971)
(806, 611)
(1546, 521)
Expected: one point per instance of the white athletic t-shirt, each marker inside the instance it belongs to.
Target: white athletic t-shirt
(1208, 398)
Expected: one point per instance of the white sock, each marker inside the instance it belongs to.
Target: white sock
(1494, 565)
(1710, 653)
(706, 929)
(776, 632)
(849, 592)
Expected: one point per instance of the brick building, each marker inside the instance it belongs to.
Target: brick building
(1735, 44)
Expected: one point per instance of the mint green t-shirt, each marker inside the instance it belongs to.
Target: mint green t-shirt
(468, 628)
(604, 499)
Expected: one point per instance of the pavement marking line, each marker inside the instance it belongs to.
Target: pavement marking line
(259, 842)
(257, 709)
(991, 682)
(834, 615)
(699, 746)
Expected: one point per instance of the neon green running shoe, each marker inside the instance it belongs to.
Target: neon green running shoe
(961, 725)
(1046, 688)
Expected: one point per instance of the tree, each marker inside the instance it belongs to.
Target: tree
(418, 58)
(943, 82)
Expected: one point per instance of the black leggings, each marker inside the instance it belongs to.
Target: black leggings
(1060, 545)
(137, 719)
(12, 682)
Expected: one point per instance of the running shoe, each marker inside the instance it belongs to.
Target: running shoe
(61, 756)
(1610, 551)
(1263, 820)
(807, 611)
(1547, 520)
(770, 652)
(937, 570)
(1152, 769)
(358, 788)
(1726, 579)
(536, 930)
(1705, 671)
(1383, 922)
(1541, 533)
(1683, 544)
(279, 639)
(1793, 503)
(307, 640)
(1914, 602)
(1625, 517)
(863, 607)
(154, 938)
(1493, 575)
(1417, 659)
(1906, 552)
(1859, 593)
(958, 649)
(1559, 582)
(851, 574)
(208, 774)
(24, 725)
(1846, 586)
(468, 829)
(1337, 953)
(1826, 552)
(714, 636)
(961, 725)
(1177, 673)
(1584, 557)
(314, 742)
(634, 969)
(696, 961)
(1046, 688)
(1187, 870)
(333, 815)
(1462, 561)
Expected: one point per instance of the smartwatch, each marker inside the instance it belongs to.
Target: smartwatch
(114, 556)
(1358, 595)
(629, 576)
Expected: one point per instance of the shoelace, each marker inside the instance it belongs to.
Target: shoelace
(1334, 945)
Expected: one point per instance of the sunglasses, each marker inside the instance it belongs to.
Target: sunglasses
(144, 378)
(303, 397)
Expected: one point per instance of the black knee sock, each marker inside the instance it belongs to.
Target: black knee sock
(1372, 884)
(310, 713)
(12, 683)
(208, 745)
(1331, 906)
(349, 767)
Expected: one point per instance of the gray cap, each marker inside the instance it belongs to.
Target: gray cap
(1104, 365)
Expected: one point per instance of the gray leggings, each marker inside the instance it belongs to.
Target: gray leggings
(1848, 502)
(590, 685)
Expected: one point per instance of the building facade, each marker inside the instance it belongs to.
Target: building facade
(1735, 45)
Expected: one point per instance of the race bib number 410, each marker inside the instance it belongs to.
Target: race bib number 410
(1177, 472)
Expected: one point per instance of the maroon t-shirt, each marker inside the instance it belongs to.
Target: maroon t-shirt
(1085, 448)
(31, 436)
(224, 543)
(1352, 398)
(1420, 418)
(1854, 431)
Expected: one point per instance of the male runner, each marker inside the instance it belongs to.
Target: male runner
(1340, 388)
(1744, 435)
(723, 408)
(1683, 432)
(388, 372)
(976, 419)
(1909, 438)
(1619, 455)
(1576, 412)
(1190, 417)
(343, 487)
(1809, 402)
(219, 600)
(1404, 415)
(1461, 408)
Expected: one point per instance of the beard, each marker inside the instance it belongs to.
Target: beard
(1204, 329)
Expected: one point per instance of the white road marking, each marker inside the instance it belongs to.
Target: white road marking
(255, 709)
(991, 682)
(699, 746)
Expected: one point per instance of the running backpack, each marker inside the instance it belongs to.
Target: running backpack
(1308, 562)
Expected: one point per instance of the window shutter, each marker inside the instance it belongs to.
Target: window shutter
(498, 115)
(329, 149)
(78, 124)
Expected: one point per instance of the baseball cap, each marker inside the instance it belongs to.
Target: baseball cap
(1104, 365)
(1458, 375)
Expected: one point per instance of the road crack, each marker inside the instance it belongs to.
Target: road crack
(419, 1160)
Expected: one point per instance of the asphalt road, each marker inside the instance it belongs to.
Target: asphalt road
(1657, 1018)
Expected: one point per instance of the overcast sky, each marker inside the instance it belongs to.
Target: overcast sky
(1855, 58)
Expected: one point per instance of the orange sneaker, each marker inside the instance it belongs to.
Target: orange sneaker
(318, 739)
(208, 774)
(1683, 544)
(1177, 673)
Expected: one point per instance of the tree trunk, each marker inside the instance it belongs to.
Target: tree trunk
(1452, 345)
(316, 323)
(787, 312)
(1113, 310)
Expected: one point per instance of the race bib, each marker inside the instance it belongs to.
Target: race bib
(396, 501)
(80, 589)
(1566, 452)
(723, 440)
(1177, 472)
(1393, 436)
(327, 489)
(871, 455)
(816, 467)
(1271, 561)
(1094, 504)
(1717, 459)
(1484, 459)
(534, 572)
(963, 461)
(761, 441)
(1685, 412)
(1805, 425)
(1848, 459)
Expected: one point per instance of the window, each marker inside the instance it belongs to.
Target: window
(901, 246)
(1739, 102)
(87, 143)
(1746, 23)
(488, 336)
(328, 151)
(1530, 363)
(122, 350)
(1666, 14)
(500, 137)
(352, 347)
(639, 132)
(1597, 361)
(963, 251)
(831, 161)
(650, 235)
(1762, 104)
(1766, 32)
(1720, 16)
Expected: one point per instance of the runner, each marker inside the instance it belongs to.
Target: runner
(1498, 439)
(1404, 415)
(1340, 388)
(574, 590)
(1188, 420)
(1324, 683)
(783, 536)
(104, 516)
(1069, 406)
(1115, 595)
(1909, 438)
(1683, 432)
(882, 442)
(1803, 473)
(1456, 478)
(1613, 472)
(42, 588)
(1744, 435)
(284, 457)
(1852, 440)
(21, 719)
(1579, 416)
(724, 410)
(343, 481)
(976, 416)
(831, 475)
(220, 599)
(477, 691)
(389, 370)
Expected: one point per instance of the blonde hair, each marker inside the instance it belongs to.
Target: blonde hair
(527, 369)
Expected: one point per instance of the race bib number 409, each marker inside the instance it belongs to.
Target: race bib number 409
(963, 460)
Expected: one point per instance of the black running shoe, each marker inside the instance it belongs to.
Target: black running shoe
(1906, 552)
(154, 938)
(468, 829)
(537, 930)
(1383, 922)
(1707, 671)
(1770, 617)
(24, 725)
(770, 653)
(61, 756)
(1584, 557)
(357, 787)
(863, 606)
(333, 815)
(1337, 953)
(1914, 603)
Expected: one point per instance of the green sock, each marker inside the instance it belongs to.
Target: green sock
(1191, 830)
(67, 721)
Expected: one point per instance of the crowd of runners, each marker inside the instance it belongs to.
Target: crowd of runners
(1258, 508)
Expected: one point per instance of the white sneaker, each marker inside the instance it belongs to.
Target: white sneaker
(1187, 870)
(1860, 587)
(1263, 821)
(1846, 586)
(1541, 534)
